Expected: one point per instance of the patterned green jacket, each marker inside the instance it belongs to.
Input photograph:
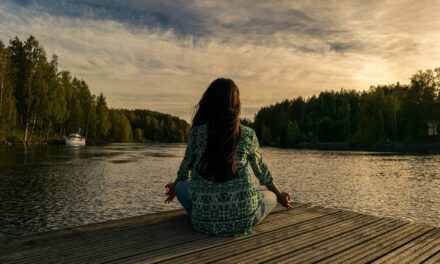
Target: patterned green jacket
(224, 208)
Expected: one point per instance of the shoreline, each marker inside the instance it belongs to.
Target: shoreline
(393, 147)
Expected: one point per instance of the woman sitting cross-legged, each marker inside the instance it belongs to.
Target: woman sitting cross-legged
(219, 195)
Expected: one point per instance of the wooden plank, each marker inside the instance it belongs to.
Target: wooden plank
(74, 251)
(389, 246)
(259, 228)
(70, 242)
(142, 220)
(38, 250)
(420, 247)
(175, 227)
(327, 248)
(434, 259)
(66, 244)
(212, 241)
(175, 223)
(381, 245)
(270, 250)
(208, 249)
(303, 235)
(429, 254)
(275, 223)
(76, 248)
(284, 213)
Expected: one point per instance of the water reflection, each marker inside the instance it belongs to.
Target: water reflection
(50, 187)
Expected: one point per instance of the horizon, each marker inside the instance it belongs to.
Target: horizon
(162, 55)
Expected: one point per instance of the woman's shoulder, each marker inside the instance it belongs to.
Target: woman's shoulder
(247, 134)
(247, 131)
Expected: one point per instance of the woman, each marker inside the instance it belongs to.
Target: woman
(220, 196)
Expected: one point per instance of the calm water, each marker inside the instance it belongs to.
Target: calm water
(51, 187)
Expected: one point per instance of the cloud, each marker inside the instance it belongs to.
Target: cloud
(154, 14)
(163, 54)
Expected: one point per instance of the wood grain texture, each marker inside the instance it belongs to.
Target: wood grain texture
(305, 234)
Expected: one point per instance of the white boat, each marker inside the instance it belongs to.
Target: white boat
(75, 139)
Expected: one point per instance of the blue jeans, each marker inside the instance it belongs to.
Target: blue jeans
(182, 193)
(267, 204)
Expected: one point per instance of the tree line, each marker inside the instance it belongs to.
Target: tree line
(406, 113)
(40, 103)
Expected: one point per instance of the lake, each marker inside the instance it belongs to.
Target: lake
(51, 187)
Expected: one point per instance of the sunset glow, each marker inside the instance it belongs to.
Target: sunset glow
(162, 55)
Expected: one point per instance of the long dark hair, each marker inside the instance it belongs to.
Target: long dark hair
(220, 108)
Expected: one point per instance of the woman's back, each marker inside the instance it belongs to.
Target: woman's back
(220, 195)
(224, 208)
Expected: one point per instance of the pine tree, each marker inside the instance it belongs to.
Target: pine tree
(103, 119)
(7, 100)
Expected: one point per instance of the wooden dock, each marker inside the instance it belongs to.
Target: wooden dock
(302, 235)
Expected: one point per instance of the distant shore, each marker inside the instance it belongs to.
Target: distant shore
(33, 142)
(419, 147)
(61, 142)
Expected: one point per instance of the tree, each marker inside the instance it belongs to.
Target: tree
(56, 111)
(293, 134)
(266, 136)
(120, 127)
(39, 102)
(325, 129)
(103, 119)
(30, 89)
(88, 107)
(7, 100)
(138, 135)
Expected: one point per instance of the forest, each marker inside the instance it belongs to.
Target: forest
(405, 113)
(39, 103)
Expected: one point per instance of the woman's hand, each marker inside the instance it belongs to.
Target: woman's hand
(169, 191)
(284, 199)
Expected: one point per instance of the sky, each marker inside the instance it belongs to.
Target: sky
(162, 54)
